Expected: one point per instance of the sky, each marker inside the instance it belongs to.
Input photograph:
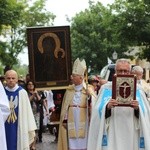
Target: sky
(63, 8)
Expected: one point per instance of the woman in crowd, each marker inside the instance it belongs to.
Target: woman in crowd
(35, 99)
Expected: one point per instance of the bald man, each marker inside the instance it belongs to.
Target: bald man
(20, 125)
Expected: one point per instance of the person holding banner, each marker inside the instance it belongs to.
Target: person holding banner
(74, 118)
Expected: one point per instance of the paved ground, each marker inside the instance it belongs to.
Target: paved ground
(48, 142)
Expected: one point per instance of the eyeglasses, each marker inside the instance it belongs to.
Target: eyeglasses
(123, 71)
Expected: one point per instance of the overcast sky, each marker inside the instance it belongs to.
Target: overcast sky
(61, 8)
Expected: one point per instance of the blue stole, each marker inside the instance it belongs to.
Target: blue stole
(11, 125)
(106, 95)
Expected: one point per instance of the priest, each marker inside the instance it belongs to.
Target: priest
(74, 119)
(119, 128)
(20, 125)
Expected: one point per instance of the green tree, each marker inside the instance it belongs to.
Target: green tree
(22, 70)
(98, 31)
(134, 24)
(15, 18)
(94, 36)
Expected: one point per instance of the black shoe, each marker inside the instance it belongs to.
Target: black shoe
(40, 140)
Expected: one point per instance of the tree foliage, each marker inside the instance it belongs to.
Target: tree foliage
(135, 27)
(99, 31)
(15, 18)
(93, 36)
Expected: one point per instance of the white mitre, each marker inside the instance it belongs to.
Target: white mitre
(79, 67)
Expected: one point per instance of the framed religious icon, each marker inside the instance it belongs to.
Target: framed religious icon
(124, 89)
(49, 53)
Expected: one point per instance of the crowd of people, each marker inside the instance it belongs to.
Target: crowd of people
(22, 112)
(89, 117)
(100, 123)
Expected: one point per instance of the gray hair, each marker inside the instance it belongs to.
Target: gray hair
(123, 60)
(138, 69)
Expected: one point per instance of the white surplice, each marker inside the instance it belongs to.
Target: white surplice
(4, 113)
(78, 143)
(26, 122)
(122, 130)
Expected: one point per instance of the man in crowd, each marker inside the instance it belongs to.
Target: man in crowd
(116, 127)
(4, 112)
(138, 71)
(20, 125)
(74, 119)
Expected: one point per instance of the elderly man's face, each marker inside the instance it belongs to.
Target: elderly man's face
(138, 74)
(76, 79)
(123, 68)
